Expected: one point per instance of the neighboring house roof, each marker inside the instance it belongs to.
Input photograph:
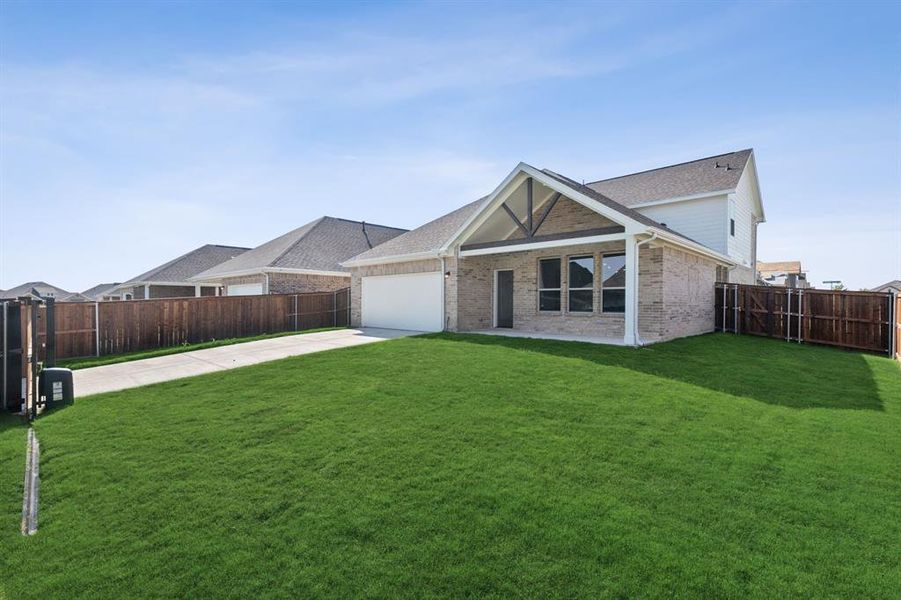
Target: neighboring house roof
(75, 297)
(40, 286)
(787, 266)
(179, 270)
(321, 245)
(719, 173)
(429, 239)
(100, 290)
(894, 285)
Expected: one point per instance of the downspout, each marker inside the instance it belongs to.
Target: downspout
(637, 272)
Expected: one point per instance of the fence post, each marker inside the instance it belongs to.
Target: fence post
(334, 309)
(295, 312)
(800, 312)
(97, 326)
(735, 314)
(788, 313)
(724, 307)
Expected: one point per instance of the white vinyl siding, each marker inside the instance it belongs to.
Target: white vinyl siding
(704, 220)
(741, 208)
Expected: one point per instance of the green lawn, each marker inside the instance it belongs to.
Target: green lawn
(111, 359)
(475, 466)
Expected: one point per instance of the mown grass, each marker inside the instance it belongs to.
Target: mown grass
(452, 465)
(112, 359)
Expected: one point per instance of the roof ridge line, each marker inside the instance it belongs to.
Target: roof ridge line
(679, 164)
(366, 222)
(291, 246)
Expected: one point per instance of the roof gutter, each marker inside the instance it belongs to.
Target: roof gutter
(692, 246)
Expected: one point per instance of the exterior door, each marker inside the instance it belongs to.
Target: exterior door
(504, 300)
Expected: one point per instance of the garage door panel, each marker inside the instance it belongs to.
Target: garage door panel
(245, 289)
(411, 301)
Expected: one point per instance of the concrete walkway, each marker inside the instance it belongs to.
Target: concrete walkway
(109, 378)
(564, 337)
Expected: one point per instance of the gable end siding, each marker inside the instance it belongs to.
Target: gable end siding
(704, 220)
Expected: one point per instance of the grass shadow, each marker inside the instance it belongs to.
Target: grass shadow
(770, 371)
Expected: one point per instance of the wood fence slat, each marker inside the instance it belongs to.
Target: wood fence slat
(134, 325)
(857, 320)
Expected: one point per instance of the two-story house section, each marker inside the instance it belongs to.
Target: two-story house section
(714, 201)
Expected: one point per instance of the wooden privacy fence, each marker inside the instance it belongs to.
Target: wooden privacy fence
(897, 349)
(857, 320)
(96, 329)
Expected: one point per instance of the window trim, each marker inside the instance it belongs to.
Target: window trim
(559, 290)
(591, 289)
(604, 287)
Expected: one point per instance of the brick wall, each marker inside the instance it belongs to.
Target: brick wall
(651, 319)
(475, 295)
(356, 285)
(568, 215)
(688, 284)
(295, 283)
(744, 275)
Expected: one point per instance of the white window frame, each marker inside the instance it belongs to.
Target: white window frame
(603, 287)
(559, 290)
(581, 289)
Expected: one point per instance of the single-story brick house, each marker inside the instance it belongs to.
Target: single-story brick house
(103, 292)
(306, 259)
(173, 279)
(44, 289)
(630, 260)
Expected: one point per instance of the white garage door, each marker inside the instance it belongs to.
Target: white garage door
(245, 289)
(403, 301)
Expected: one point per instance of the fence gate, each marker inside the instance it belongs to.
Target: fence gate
(856, 320)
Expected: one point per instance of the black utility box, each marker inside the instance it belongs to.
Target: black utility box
(55, 385)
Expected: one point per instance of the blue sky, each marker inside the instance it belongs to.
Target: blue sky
(133, 132)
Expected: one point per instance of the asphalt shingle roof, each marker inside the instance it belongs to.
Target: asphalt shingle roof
(180, 269)
(675, 181)
(430, 236)
(25, 289)
(321, 245)
(97, 291)
(433, 235)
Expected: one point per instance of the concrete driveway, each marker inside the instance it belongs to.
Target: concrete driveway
(136, 373)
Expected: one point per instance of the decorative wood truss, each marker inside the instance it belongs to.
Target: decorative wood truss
(530, 228)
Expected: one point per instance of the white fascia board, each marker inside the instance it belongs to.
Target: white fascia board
(683, 198)
(695, 247)
(482, 213)
(592, 239)
(520, 173)
(398, 258)
(133, 284)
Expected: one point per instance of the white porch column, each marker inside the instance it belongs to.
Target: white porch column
(146, 291)
(631, 316)
(197, 291)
